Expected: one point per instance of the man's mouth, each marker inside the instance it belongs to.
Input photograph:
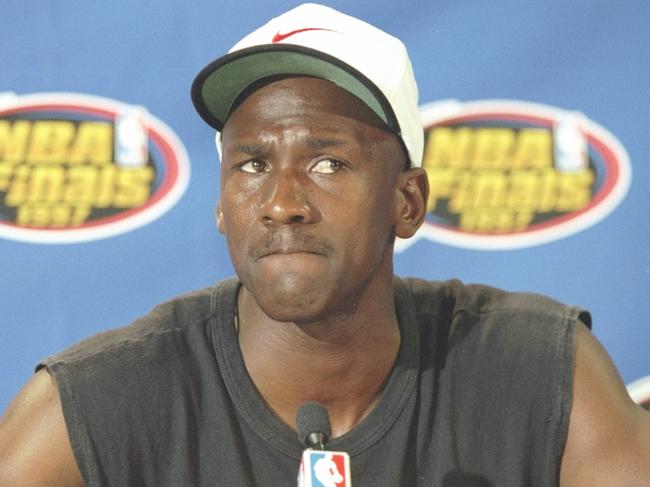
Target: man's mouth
(289, 251)
(284, 243)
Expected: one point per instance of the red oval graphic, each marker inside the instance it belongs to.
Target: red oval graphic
(75, 168)
(509, 174)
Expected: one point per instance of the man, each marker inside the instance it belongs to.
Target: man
(426, 384)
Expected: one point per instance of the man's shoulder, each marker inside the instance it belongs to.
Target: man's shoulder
(168, 324)
(453, 297)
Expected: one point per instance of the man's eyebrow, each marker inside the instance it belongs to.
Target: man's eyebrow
(251, 149)
(255, 149)
(325, 143)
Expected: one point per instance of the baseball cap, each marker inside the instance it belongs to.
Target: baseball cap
(319, 41)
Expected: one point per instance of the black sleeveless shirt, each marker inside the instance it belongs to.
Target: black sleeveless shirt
(480, 395)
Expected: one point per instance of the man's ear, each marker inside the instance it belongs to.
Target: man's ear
(218, 216)
(411, 205)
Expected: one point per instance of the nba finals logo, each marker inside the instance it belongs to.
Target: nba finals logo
(324, 469)
(508, 174)
(75, 167)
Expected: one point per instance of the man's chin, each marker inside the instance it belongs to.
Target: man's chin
(295, 306)
(291, 298)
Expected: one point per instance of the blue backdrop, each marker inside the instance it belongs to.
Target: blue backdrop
(583, 56)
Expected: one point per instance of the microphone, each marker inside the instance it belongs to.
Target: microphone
(318, 467)
(313, 425)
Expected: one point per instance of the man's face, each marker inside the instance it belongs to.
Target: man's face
(309, 182)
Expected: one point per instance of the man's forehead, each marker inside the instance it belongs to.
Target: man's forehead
(301, 99)
(313, 142)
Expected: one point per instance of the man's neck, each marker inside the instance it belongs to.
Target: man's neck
(342, 362)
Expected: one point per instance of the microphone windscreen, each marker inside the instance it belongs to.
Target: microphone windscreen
(311, 418)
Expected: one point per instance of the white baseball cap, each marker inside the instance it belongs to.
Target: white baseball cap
(319, 41)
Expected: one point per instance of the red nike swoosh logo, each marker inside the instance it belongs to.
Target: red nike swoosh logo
(280, 37)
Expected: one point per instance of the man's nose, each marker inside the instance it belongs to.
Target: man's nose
(288, 199)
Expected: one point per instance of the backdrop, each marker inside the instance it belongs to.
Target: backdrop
(536, 121)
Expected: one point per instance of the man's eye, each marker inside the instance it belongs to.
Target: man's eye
(327, 166)
(255, 166)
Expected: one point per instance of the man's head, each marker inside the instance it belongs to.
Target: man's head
(313, 192)
(318, 41)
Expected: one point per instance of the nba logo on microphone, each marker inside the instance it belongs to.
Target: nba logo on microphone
(324, 469)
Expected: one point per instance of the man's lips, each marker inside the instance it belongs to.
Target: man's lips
(289, 251)
(288, 244)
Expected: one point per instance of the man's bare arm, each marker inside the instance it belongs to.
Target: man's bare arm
(609, 435)
(35, 449)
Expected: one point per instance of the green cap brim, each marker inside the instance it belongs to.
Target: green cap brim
(218, 85)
